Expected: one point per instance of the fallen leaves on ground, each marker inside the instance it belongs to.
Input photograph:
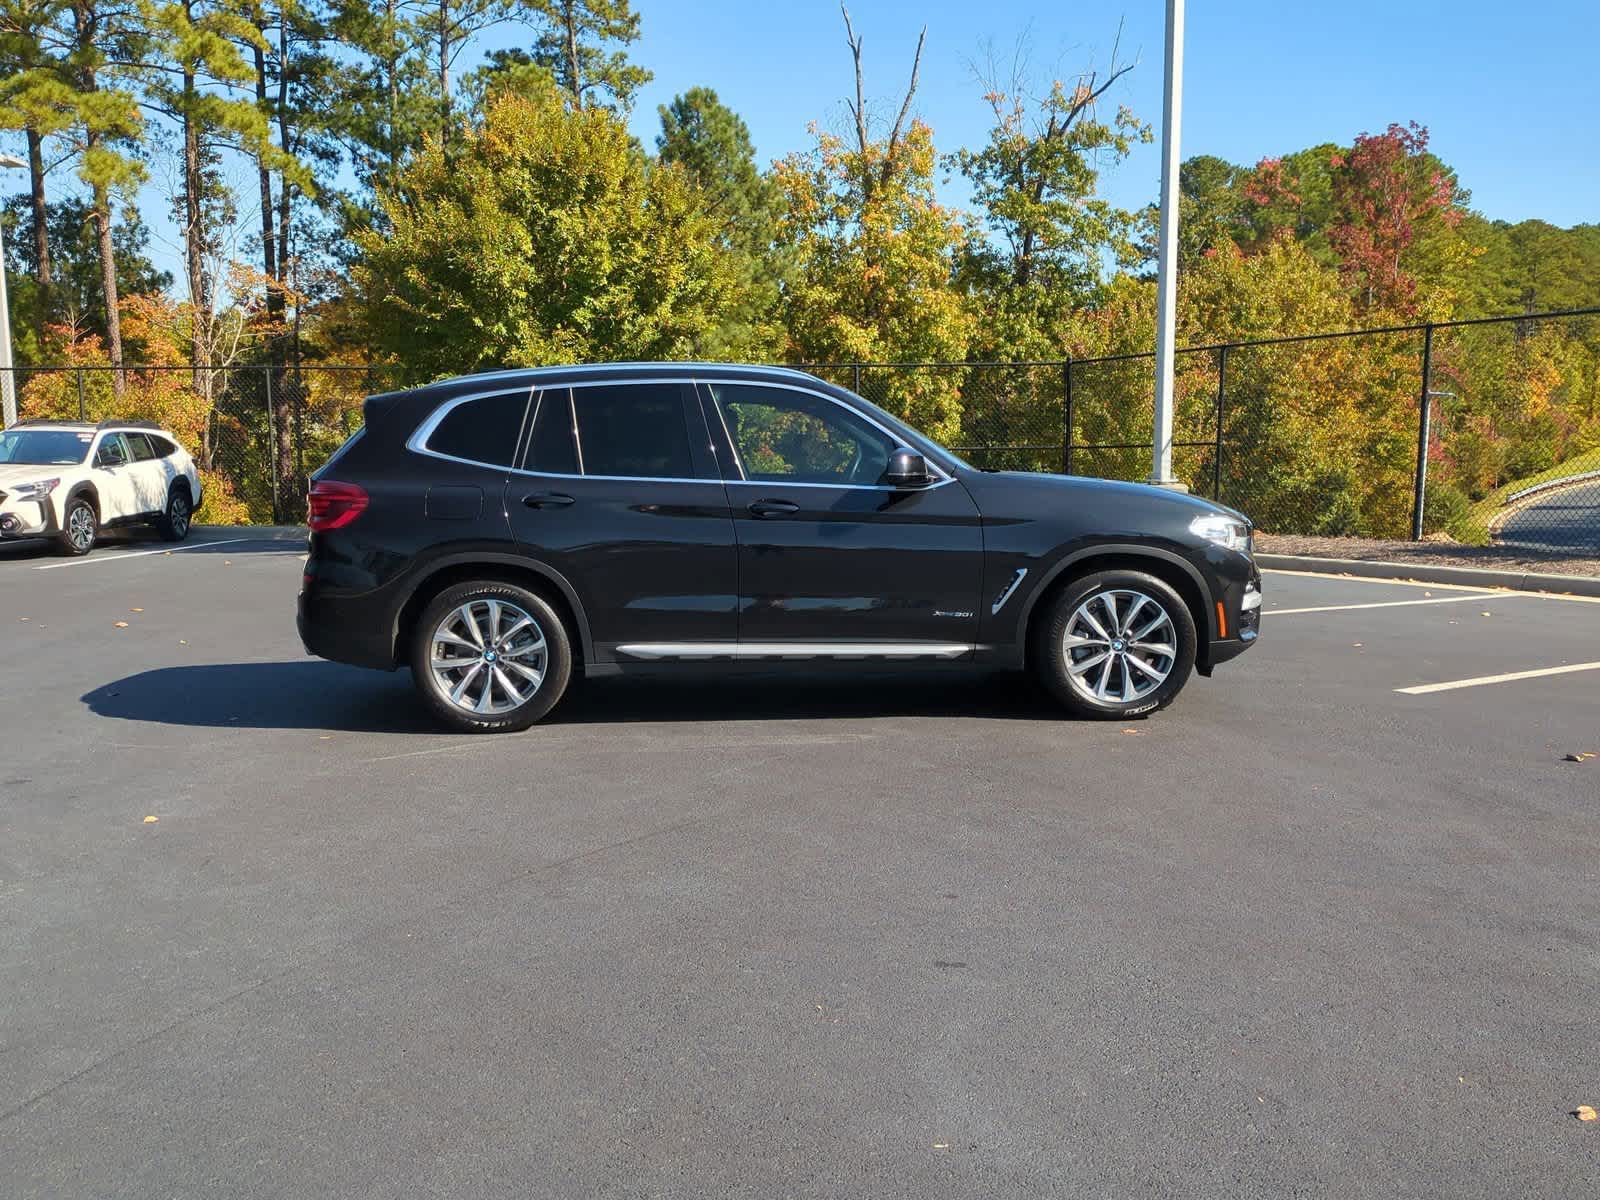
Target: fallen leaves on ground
(1581, 756)
(151, 820)
(120, 624)
(1585, 1112)
(136, 610)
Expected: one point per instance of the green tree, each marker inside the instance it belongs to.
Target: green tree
(1035, 183)
(712, 144)
(574, 46)
(874, 259)
(76, 299)
(36, 98)
(549, 238)
(104, 132)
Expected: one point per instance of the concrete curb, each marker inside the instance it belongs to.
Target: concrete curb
(1520, 581)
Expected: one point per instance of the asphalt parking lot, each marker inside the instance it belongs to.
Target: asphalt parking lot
(267, 933)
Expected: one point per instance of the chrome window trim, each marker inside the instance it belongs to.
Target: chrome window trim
(894, 438)
(417, 442)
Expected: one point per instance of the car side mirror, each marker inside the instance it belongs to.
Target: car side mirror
(907, 469)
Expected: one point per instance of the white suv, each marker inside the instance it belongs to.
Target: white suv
(67, 480)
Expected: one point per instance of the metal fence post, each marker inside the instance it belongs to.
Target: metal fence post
(272, 447)
(855, 379)
(1222, 395)
(83, 404)
(1424, 418)
(1066, 417)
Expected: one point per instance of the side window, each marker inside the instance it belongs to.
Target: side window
(634, 429)
(113, 452)
(799, 437)
(484, 430)
(551, 448)
(139, 446)
(161, 446)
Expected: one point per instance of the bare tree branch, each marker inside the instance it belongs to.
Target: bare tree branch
(858, 110)
(911, 90)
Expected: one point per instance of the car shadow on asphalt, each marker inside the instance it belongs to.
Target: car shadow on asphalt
(324, 696)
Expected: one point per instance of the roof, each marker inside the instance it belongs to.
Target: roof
(612, 370)
(46, 423)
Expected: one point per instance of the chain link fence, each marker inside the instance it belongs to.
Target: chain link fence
(1474, 432)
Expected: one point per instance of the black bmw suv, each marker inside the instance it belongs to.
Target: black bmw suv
(499, 532)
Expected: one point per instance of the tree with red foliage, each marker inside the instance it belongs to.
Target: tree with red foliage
(1387, 190)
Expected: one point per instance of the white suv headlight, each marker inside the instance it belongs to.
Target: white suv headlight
(37, 490)
(1223, 530)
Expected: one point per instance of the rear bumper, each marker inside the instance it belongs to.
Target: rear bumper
(344, 632)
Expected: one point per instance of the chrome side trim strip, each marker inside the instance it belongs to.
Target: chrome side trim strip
(656, 651)
(1000, 601)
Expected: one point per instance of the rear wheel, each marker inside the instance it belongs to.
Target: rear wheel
(1115, 644)
(80, 527)
(490, 657)
(173, 525)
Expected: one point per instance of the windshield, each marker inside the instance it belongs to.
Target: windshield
(45, 447)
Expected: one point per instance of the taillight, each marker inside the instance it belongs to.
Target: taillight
(333, 505)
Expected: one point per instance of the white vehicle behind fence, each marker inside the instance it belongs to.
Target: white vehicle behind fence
(68, 480)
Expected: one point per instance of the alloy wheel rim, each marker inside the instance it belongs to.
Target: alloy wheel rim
(180, 515)
(1120, 646)
(80, 527)
(488, 657)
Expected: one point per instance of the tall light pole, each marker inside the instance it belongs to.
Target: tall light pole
(8, 382)
(1167, 262)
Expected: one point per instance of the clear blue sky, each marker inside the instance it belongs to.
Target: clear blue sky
(1510, 91)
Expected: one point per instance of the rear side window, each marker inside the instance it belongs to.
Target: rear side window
(484, 430)
(161, 446)
(139, 446)
(633, 430)
(551, 449)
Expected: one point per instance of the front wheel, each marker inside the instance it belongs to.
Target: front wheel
(490, 657)
(79, 528)
(1115, 644)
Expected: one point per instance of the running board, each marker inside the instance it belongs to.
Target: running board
(656, 651)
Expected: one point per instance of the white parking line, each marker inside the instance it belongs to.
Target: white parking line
(83, 562)
(1415, 583)
(1473, 589)
(1424, 688)
(1485, 596)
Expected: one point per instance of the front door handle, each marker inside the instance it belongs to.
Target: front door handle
(773, 508)
(547, 500)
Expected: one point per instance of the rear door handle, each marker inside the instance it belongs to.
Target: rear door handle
(773, 508)
(547, 500)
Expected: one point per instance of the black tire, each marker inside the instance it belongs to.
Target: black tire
(80, 527)
(509, 662)
(174, 524)
(1110, 687)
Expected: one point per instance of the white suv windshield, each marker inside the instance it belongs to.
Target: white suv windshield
(44, 447)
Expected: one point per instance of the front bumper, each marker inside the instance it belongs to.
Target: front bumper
(1238, 622)
(22, 519)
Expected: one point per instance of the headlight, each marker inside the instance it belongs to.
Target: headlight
(37, 490)
(1223, 530)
